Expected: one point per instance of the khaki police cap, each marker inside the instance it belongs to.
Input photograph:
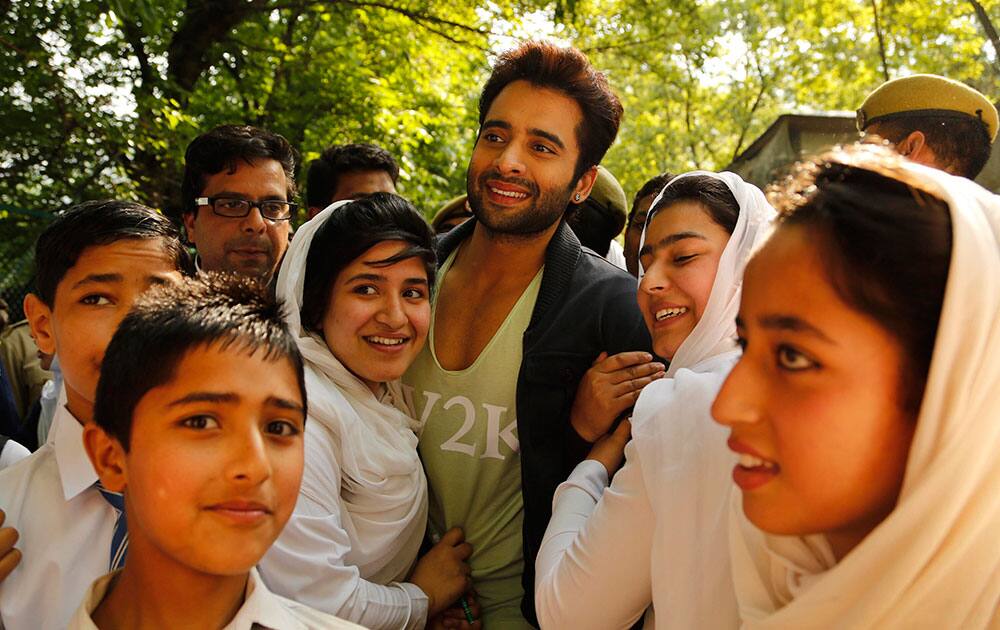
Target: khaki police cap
(927, 95)
(608, 193)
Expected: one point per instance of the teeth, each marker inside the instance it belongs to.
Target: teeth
(509, 193)
(386, 341)
(670, 312)
(749, 461)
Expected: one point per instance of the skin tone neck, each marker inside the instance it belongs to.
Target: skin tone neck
(80, 408)
(497, 255)
(141, 598)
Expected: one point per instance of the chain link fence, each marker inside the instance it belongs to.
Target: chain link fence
(19, 228)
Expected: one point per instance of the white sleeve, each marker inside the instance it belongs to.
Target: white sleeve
(594, 545)
(12, 453)
(307, 562)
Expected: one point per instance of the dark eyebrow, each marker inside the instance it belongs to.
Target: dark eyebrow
(374, 277)
(551, 137)
(210, 397)
(670, 240)
(284, 403)
(239, 195)
(371, 277)
(99, 278)
(496, 123)
(541, 133)
(791, 323)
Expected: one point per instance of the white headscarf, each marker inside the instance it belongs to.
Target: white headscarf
(716, 330)
(685, 462)
(934, 562)
(383, 486)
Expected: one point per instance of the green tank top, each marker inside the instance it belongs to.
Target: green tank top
(470, 451)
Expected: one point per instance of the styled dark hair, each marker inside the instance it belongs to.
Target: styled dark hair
(653, 186)
(223, 148)
(324, 172)
(961, 144)
(95, 223)
(566, 70)
(710, 192)
(168, 322)
(886, 248)
(349, 232)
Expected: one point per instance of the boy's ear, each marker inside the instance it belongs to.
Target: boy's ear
(106, 455)
(39, 317)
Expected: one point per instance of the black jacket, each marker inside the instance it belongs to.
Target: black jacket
(585, 306)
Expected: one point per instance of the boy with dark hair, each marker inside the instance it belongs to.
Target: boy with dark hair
(239, 182)
(92, 263)
(346, 171)
(521, 313)
(198, 429)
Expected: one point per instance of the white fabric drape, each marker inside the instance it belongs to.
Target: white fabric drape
(383, 487)
(934, 562)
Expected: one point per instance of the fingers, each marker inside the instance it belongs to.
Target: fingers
(636, 371)
(453, 536)
(630, 389)
(623, 433)
(8, 562)
(623, 360)
(9, 557)
(463, 551)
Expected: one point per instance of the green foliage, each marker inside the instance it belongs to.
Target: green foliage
(100, 98)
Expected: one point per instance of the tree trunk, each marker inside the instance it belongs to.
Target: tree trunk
(990, 30)
(881, 40)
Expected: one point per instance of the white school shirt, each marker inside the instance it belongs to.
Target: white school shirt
(261, 610)
(65, 528)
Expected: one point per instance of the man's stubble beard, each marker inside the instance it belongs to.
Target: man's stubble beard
(517, 225)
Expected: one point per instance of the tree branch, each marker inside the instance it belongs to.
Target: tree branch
(881, 41)
(990, 30)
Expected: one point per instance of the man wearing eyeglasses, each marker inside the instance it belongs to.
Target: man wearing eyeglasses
(238, 183)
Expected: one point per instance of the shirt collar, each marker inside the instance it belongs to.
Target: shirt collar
(75, 470)
(263, 608)
(260, 608)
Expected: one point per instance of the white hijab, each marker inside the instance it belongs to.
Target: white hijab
(715, 332)
(934, 562)
(683, 453)
(383, 486)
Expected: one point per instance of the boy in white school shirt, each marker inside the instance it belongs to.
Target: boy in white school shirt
(92, 262)
(199, 422)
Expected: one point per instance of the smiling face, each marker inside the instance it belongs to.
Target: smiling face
(680, 256)
(251, 245)
(521, 175)
(90, 301)
(215, 461)
(377, 318)
(814, 402)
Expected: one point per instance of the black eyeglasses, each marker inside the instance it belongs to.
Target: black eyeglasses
(236, 208)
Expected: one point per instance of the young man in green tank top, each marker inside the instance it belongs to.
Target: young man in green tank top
(521, 314)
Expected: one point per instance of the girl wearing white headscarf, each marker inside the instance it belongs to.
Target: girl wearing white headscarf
(657, 536)
(362, 509)
(929, 553)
